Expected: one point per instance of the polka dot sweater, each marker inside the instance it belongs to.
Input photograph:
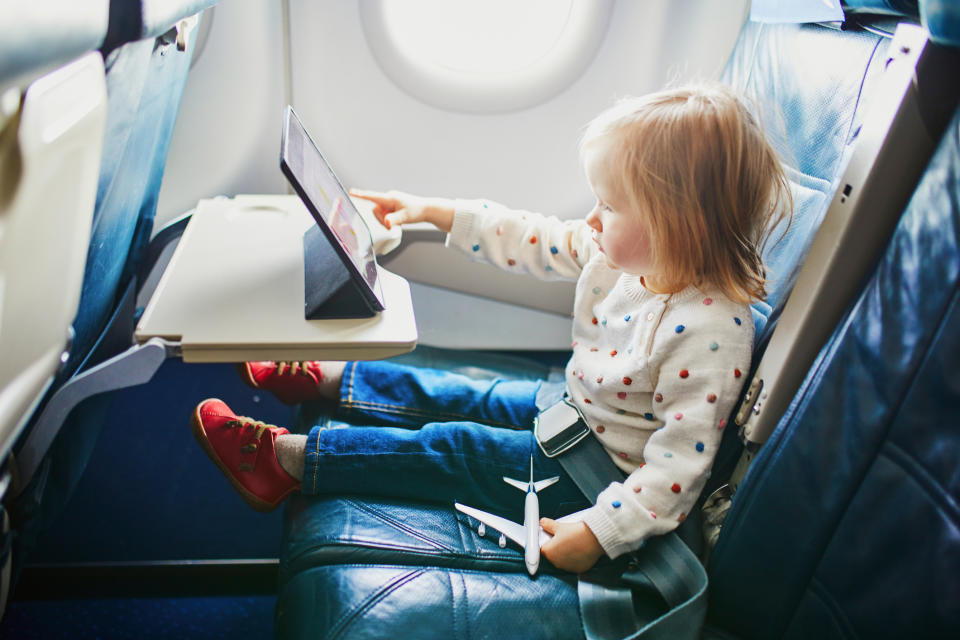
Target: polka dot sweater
(655, 375)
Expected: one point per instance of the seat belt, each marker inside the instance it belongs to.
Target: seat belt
(665, 562)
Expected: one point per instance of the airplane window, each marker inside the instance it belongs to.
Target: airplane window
(484, 55)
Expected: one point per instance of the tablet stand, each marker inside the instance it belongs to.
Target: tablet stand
(328, 290)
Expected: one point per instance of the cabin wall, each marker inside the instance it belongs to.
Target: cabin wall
(374, 134)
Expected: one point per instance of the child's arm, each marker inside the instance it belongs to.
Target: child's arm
(520, 241)
(516, 241)
(573, 547)
(398, 208)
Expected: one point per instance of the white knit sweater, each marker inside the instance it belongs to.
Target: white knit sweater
(655, 375)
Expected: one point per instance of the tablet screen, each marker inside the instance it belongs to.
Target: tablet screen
(325, 197)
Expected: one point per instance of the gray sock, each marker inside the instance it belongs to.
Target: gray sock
(292, 453)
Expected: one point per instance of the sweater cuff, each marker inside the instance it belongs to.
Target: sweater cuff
(609, 537)
(461, 231)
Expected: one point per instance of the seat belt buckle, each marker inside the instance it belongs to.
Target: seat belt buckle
(559, 427)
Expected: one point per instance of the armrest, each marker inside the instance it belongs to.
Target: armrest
(421, 257)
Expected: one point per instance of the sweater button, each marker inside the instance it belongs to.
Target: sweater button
(650, 316)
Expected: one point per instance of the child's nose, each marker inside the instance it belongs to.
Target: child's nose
(593, 220)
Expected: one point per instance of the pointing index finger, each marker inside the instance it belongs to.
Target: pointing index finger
(374, 196)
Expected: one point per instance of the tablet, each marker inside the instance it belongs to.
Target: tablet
(316, 184)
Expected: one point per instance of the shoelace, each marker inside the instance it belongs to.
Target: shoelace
(260, 426)
(292, 368)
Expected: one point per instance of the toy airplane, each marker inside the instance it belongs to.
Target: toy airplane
(530, 535)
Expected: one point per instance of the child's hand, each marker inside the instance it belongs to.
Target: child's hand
(573, 547)
(395, 207)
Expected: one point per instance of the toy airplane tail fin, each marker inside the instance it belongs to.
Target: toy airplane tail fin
(525, 486)
(540, 485)
(519, 484)
(537, 486)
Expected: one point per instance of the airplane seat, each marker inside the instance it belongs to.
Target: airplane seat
(811, 115)
(52, 111)
(146, 52)
(847, 522)
(361, 566)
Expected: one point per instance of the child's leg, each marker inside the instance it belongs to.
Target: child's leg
(466, 458)
(291, 453)
(439, 438)
(440, 462)
(384, 393)
(329, 386)
(294, 382)
(245, 450)
(392, 394)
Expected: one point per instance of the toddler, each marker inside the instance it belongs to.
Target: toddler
(687, 190)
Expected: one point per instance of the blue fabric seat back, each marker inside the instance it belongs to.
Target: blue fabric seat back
(847, 524)
(806, 83)
(145, 78)
(145, 74)
(940, 17)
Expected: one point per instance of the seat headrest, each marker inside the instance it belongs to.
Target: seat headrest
(40, 36)
(904, 8)
(940, 17)
(132, 20)
(942, 20)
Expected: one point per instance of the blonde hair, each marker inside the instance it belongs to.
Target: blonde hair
(695, 162)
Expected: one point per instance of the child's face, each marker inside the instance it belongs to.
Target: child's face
(621, 232)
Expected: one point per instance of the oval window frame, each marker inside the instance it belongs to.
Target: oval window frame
(473, 92)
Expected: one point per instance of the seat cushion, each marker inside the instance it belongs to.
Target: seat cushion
(354, 566)
(362, 529)
(423, 602)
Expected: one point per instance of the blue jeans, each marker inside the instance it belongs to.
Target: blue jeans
(436, 436)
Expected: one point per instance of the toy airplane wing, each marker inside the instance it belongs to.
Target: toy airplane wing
(511, 529)
(508, 528)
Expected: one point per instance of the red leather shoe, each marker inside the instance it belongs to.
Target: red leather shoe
(291, 382)
(243, 448)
